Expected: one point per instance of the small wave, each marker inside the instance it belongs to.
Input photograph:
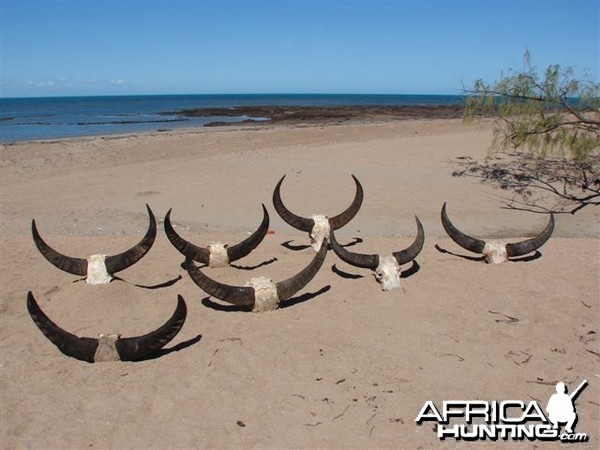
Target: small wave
(21, 124)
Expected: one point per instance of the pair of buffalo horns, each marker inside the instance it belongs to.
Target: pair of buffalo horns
(203, 254)
(372, 261)
(114, 264)
(306, 224)
(246, 296)
(109, 347)
(496, 251)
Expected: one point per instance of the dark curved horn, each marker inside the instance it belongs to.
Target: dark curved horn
(465, 241)
(343, 218)
(300, 223)
(236, 295)
(141, 347)
(244, 248)
(198, 254)
(287, 288)
(76, 266)
(354, 259)
(81, 348)
(128, 258)
(407, 255)
(529, 245)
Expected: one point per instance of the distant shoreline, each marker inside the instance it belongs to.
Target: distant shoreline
(59, 118)
(294, 115)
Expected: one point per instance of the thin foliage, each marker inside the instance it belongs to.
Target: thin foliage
(546, 144)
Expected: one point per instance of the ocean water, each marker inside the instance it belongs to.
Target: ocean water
(24, 119)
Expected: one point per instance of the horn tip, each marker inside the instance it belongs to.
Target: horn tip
(356, 180)
(444, 213)
(419, 224)
(149, 210)
(181, 305)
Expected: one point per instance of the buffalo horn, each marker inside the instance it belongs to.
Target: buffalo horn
(76, 266)
(81, 348)
(354, 259)
(202, 254)
(465, 241)
(244, 248)
(529, 245)
(114, 264)
(300, 223)
(137, 348)
(304, 224)
(122, 261)
(129, 349)
(189, 250)
(407, 255)
(343, 218)
(236, 295)
(287, 288)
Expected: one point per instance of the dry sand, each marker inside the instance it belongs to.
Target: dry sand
(344, 365)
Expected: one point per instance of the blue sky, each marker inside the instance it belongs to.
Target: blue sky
(77, 47)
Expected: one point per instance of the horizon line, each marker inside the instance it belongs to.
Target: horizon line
(231, 95)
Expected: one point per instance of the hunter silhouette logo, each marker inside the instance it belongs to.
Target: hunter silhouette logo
(560, 406)
(508, 419)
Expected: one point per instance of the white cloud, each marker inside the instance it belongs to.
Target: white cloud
(45, 83)
(62, 84)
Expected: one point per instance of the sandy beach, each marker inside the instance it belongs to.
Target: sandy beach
(342, 364)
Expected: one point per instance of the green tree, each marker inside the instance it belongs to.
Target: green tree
(546, 145)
